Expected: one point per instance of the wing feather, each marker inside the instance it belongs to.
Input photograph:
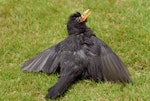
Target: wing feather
(47, 61)
(110, 65)
(113, 68)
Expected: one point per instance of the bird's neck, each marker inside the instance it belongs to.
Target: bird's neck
(85, 31)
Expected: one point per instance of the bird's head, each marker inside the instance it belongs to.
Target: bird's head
(77, 22)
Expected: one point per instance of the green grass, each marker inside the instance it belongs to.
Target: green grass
(29, 26)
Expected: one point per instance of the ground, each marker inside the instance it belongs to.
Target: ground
(27, 27)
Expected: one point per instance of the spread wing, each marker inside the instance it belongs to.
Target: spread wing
(50, 59)
(108, 64)
(47, 61)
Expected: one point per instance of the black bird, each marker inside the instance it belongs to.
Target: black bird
(80, 56)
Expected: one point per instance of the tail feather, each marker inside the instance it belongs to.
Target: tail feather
(69, 75)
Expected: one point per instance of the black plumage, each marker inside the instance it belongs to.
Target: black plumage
(80, 56)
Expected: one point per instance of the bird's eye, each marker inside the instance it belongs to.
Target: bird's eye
(78, 19)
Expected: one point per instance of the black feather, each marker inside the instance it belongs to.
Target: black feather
(80, 56)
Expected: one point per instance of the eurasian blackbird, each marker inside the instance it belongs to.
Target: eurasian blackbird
(80, 56)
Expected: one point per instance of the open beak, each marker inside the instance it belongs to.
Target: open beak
(84, 16)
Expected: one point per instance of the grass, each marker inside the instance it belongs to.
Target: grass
(29, 26)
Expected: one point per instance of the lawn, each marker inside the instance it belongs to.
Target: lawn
(27, 27)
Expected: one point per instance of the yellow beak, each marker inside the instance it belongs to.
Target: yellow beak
(85, 15)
